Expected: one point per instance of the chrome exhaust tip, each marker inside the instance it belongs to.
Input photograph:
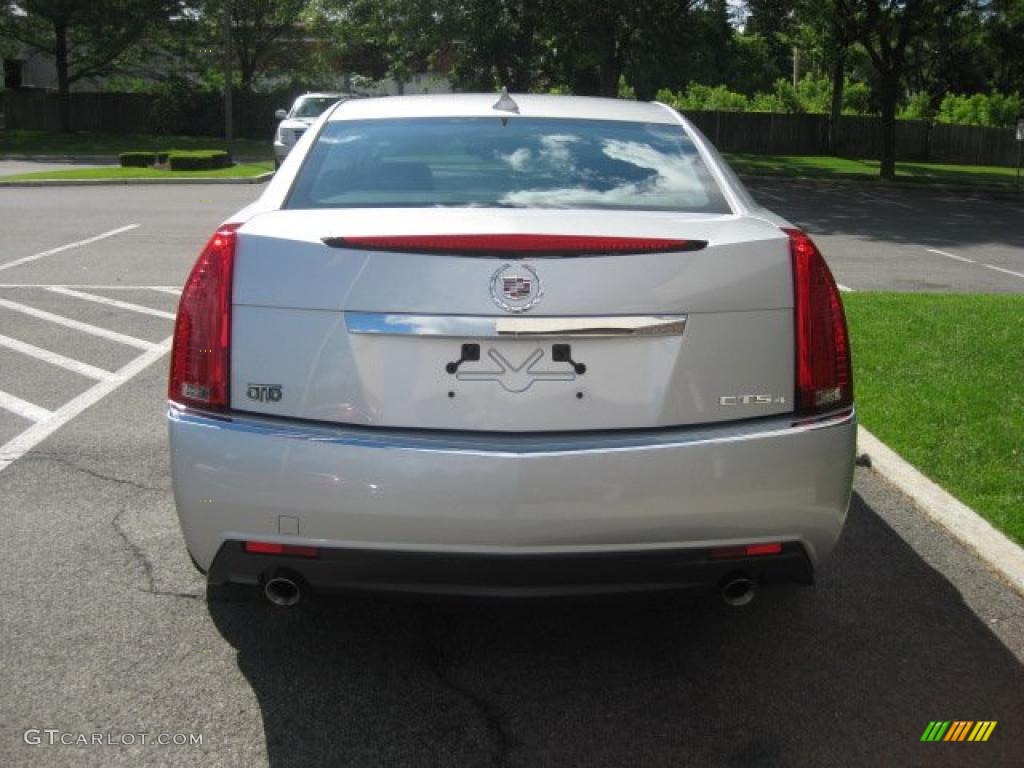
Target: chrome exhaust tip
(283, 589)
(738, 591)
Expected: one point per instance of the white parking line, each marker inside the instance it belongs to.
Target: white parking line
(23, 408)
(1007, 271)
(67, 322)
(111, 302)
(93, 287)
(54, 358)
(972, 261)
(950, 255)
(845, 288)
(17, 447)
(58, 249)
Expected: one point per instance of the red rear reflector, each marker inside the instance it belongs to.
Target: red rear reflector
(499, 245)
(764, 549)
(200, 364)
(746, 550)
(824, 375)
(270, 548)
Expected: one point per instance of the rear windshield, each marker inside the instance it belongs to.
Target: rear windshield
(505, 162)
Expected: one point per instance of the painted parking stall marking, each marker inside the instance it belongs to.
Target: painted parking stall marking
(965, 260)
(76, 366)
(110, 302)
(77, 325)
(68, 246)
(22, 408)
(45, 421)
(1003, 270)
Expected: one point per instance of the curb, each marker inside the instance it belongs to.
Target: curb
(999, 553)
(873, 182)
(68, 159)
(263, 177)
(103, 159)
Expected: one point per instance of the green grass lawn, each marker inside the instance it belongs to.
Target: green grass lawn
(822, 166)
(242, 170)
(939, 379)
(20, 142)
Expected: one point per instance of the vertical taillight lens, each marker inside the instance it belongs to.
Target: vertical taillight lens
(824, 376)
(200, 358)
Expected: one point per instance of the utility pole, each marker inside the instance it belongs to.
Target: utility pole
(228, 117)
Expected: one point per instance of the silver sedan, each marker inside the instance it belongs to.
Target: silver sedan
(509, 345)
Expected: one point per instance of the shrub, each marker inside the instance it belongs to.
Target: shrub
(698, 97)
(918, 107)
(856, 98)
(137, 159)
(811, 95)
(994, 109)
(198, 160)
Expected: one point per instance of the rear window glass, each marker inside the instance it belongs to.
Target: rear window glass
(505, 162)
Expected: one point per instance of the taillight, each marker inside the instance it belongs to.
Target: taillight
(200, 358)
(824, 376)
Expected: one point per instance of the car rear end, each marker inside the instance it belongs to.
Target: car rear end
(558, 350)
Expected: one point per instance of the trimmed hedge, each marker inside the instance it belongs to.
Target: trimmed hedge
(137, 159)
(199, 160)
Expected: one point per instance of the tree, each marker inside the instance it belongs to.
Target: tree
(819, 21)
(396, 38)
(886, 29)
(1003, 33)
(772, 20)
(257, 29)
(85, 38)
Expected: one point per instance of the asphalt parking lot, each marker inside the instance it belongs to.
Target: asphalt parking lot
(107, 628)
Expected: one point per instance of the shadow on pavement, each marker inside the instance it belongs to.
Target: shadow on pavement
(849, 673)
(935, 218)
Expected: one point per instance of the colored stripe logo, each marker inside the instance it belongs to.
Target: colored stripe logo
(959, 730)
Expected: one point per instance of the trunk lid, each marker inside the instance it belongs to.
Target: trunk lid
(632, 340)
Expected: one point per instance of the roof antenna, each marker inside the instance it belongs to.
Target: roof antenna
(505, 102)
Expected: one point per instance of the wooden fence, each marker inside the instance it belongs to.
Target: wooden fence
(755, 132)
(858, 137)
(194, 113)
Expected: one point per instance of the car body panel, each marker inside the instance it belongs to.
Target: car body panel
(736, 293)
(470, 493)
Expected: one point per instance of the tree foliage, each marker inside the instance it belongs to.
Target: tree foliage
(85, 38)
(897, 58)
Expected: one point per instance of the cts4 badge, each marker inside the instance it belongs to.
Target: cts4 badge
(516, 287)
(730, 400)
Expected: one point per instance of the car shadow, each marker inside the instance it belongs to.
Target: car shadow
(848, 673)
(928, 217)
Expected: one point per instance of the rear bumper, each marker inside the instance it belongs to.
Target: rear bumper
(663, 497)
(468, 575)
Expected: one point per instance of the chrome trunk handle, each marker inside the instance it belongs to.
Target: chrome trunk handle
(467, 326)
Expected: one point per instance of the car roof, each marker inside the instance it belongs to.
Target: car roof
(482, 105)
(320, 95)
